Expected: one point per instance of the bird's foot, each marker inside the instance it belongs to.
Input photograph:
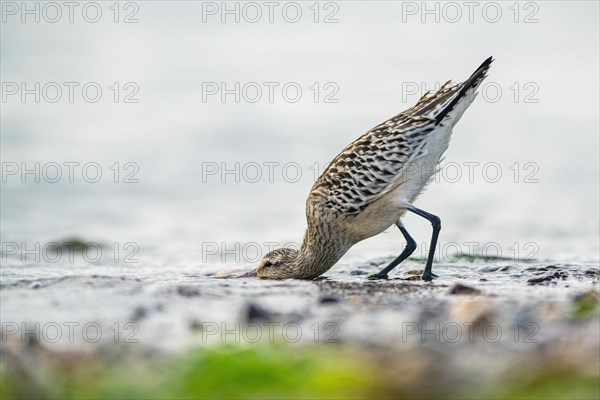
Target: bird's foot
(428, 277)
(377, 276)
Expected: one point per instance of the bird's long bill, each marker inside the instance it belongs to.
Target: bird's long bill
(249, 274)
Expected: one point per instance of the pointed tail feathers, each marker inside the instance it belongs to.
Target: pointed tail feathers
(472, 83)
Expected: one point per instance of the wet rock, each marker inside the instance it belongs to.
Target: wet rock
(358, 272)
(459, 288)
(547, 268)
(540, 280)
(592, 272)
(531, 268)
(256, 313)
(195, 325)
(561, 274)
(188, 291)
(328, 299)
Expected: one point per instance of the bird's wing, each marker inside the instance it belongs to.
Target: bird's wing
(373, 165)
(368, 168)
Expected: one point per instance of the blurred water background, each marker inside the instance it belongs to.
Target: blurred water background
(540, 110)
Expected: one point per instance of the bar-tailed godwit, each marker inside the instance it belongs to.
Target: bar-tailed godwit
(373, 182)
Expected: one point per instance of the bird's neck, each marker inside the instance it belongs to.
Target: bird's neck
(319, 252)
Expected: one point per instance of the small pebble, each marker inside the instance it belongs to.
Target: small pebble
(561, 274)
(328, 300)
(539, 280)
(255, 313)
(195, 325)
(138, 314)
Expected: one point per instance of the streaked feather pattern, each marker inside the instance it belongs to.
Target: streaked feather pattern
(369, 186)
(373, 165)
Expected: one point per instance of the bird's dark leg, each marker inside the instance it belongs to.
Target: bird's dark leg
(411, 246)
(437, 225)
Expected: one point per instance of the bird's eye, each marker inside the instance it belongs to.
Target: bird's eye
(268, 263)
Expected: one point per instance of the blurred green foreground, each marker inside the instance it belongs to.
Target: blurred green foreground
(269, 371)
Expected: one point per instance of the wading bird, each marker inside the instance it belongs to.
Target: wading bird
(373, 182)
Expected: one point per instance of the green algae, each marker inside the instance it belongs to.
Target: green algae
(275, 371)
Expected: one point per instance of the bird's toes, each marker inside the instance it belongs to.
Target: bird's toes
(377, 276)
(428, 277)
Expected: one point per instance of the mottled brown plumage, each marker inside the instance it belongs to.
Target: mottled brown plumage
(371, 184)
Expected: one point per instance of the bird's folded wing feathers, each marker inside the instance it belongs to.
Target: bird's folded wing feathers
(374, 164)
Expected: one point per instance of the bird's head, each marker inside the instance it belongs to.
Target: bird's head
(278, 264)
